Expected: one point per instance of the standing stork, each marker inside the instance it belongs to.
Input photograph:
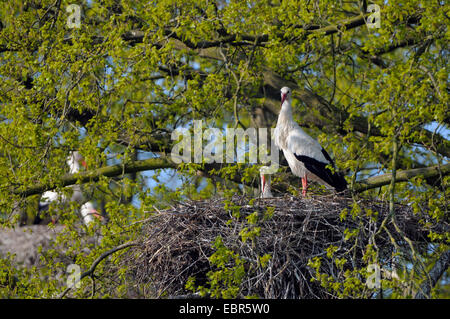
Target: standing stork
(74, 160)
(305, 156)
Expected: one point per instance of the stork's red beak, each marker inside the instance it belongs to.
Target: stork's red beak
(263, 182)
(283, 98)
(84, 164)
(96, 214)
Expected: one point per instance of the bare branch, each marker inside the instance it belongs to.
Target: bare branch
(94, 265)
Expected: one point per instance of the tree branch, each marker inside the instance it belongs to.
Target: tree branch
(436, 272)
(118, 170)
(163, 162)
(94, 265)
(402, 176)
(94, 175)
(137, 36)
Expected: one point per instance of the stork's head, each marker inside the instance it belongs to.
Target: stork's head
(88, 212)
(265, 185)
(285, 94)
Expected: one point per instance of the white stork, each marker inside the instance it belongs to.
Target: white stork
(265, 184)
(88, 213)
(74, 160)
(306, 158)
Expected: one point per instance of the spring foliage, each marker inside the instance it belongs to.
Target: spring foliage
(134, 71)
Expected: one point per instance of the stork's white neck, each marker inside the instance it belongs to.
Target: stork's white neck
(285, 125)
(87, 209)
(285, 117)
(265, 186)
(74, 167)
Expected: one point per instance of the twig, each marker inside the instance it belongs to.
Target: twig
(441, 265)
(94, 265)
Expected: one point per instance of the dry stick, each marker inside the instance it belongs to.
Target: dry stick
(286, 223)
(94, 265)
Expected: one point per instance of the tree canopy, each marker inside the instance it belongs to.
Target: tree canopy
(114, 79)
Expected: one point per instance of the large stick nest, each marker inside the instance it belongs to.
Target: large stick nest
(178, 242)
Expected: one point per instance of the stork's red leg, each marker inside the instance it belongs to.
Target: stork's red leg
(304, 185)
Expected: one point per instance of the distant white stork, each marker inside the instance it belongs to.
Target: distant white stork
(74, 160)
(306, 158)
(88, 213)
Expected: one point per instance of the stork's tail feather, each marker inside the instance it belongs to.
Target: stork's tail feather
(335, 180)
(339, 182)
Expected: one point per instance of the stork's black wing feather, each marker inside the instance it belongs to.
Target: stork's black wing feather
(327, 156)
(39, 218)
(321, 170)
